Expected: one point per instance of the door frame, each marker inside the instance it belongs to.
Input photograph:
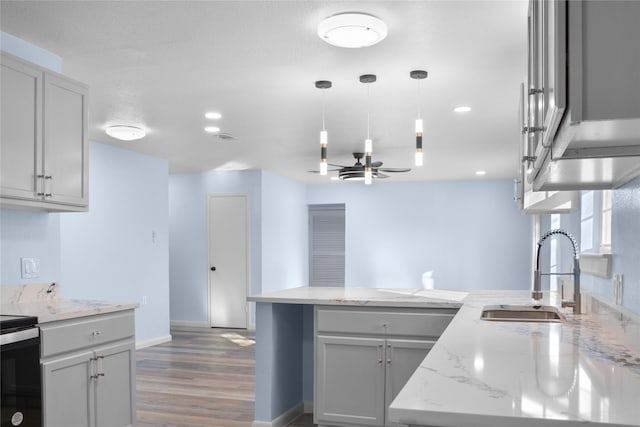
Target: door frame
(248, 254)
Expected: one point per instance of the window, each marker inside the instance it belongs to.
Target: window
(586, 222)
(605, 222)
(326, 245)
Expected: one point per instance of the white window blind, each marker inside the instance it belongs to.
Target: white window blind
(326, 245)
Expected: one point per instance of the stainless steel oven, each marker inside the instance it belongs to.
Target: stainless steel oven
(20, 376)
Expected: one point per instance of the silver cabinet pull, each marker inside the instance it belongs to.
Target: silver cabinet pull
(96, 333)
(380, 349)
(389, 354)
(47, 178)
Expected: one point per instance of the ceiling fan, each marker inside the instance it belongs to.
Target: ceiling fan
(356, 172)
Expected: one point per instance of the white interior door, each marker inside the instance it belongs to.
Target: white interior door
(228, 276)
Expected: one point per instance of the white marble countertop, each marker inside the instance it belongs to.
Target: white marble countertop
(61, 309)
(376, 297)
(584, 371)
(42, 300)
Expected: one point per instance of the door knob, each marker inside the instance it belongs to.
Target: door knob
(213, 269)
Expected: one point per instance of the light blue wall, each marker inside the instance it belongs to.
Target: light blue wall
(284, 233)
(30, 52)
(188, 261)
(110, 253)
(30, 235)
(469, 233)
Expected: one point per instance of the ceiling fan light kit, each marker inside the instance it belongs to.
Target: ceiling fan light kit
(352, 30)
(419, 157)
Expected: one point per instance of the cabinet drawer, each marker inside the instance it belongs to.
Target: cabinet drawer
(423, 323)
(73, 334)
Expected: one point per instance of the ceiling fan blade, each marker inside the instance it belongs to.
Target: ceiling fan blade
(380, 175)
(338, 166)
(395, 170)
(376, 164)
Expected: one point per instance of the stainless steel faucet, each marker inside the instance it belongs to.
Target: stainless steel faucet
(536, 294)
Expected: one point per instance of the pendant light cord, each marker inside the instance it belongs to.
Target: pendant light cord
(419, 93)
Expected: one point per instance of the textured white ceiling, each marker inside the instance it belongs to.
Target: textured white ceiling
(163, 64)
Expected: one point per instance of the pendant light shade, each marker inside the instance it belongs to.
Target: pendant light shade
(323, 84)
(419, 158)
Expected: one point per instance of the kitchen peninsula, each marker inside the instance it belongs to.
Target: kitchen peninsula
(585, 370)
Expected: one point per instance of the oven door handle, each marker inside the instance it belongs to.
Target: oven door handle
(18, 336)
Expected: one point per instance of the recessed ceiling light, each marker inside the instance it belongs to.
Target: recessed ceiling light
(125, 133)
(481, 172)
(212, 129)
(352, 30)
(462, 109)
(213, 115)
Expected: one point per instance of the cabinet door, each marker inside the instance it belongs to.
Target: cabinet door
(20, 129)
(349, 385)
(67, 385)
(114, 390)
(402, 358)
(554, 66)
(65, 143)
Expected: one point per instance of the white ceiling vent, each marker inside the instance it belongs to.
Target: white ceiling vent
(226, 136)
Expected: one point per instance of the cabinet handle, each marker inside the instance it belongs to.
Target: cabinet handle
(96, 333)
(535, 91)
(47, 178)
(389, 354)
(380, 354)
(39, 183)
(96, 376)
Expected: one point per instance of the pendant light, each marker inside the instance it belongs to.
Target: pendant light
(323, 84)
(419, 75)
(368, 143)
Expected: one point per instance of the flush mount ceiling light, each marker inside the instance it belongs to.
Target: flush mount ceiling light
(125, 133)
(352, 30)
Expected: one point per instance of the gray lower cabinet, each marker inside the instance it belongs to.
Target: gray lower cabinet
(365, 356)
(88, 371)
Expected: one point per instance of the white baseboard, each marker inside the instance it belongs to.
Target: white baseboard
(152, 342)
(308, 406)
(284, 418)
(190, 324)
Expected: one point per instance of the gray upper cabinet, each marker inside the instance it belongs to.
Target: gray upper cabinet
(44, 139)
(583, 94)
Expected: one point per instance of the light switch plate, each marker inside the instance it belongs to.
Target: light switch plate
(30, 268)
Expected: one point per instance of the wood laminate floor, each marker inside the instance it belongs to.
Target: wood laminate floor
(203, 377)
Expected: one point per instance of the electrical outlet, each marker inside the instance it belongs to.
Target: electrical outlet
(30, 268)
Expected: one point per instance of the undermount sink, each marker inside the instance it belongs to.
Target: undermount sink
(521, 313)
